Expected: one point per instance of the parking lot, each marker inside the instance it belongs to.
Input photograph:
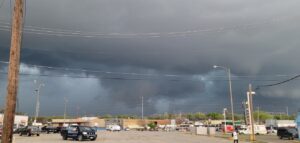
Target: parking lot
(274, 139)
(127, 137)
(262, 138)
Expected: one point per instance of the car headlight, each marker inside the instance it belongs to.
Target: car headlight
(84, 133)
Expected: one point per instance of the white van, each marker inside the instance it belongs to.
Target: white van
(113, 128)
(258, 130)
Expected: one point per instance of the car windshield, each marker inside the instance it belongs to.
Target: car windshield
(33, 128)
(83, 128)
(292, 131)
(74, 129)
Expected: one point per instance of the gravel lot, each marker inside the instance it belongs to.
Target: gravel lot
(127, 137)
(263, 138)
(275, 139)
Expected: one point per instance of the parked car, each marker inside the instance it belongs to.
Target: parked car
(289, 133)
(30, 130)
(79, 133)
(113, 128)
(18, 130)
(58, 129)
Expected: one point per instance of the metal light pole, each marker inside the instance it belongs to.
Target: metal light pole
(78, 108)
(142, 107)
(224, 113)
(37, 107)
(65, 111)
(230, 90)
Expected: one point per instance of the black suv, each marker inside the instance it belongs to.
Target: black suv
(78, 133)
(289, 133)
(30, 130)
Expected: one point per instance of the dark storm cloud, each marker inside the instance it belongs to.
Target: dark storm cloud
(251, 37)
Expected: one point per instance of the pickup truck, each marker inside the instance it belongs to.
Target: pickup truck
(79, 133)
(289, 133)
(30, 130)
(50, 129)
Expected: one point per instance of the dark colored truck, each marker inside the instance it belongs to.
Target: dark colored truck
(50, 129)
(79, 133)
(289, 133)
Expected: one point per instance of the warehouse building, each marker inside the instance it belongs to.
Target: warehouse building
(20, 120)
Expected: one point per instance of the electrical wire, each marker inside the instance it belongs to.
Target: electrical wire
(92, 71)
(279, 83)
(132, 79)
(76, 33)
(83, 70)
(100, 77)
(67, 33)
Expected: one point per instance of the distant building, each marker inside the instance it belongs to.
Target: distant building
(102, 123)
(280, 123)
(85, 121)
(94, 121)
(62, 122)
(139, 123)
(20, 120)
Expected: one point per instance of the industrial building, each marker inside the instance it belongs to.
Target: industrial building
(20, 120)
(102, 123)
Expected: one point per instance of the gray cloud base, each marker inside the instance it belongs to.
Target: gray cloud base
(267, 47)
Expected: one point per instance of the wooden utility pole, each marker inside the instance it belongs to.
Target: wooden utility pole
(13, 72)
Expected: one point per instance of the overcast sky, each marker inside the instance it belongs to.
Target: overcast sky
(103, 55)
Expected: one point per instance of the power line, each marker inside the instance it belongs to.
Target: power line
(130, 79)
(70, 33)
(149, 75)
(94, 71)
(100, 77)
(77, 33)
(279, 83)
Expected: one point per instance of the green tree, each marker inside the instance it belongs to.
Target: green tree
(191, 116)
(200, 116)
(263, 116)
(282, 117)
(214, 116)
(238, 117)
